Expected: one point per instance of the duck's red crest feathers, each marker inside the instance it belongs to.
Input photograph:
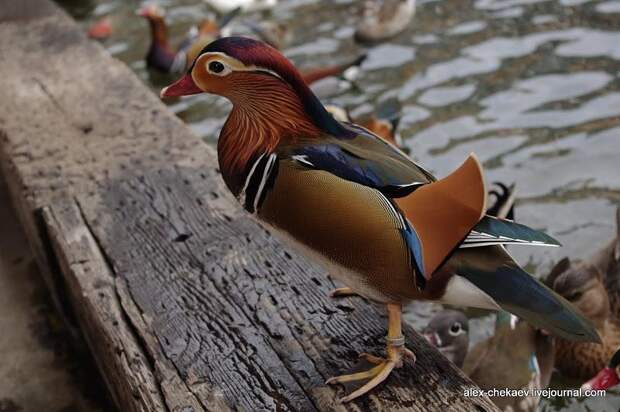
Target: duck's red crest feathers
(253, 52)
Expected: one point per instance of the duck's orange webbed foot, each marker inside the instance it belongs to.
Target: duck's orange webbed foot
(396, 352)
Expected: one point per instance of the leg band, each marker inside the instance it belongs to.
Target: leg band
(396, 342)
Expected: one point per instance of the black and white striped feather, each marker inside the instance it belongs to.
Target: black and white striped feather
(258, 181)
(492, 231)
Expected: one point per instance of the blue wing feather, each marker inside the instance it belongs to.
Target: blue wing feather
(415, 248)
(336, 159)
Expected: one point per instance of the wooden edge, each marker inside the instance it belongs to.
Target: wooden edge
(31, 225)
(130, 372)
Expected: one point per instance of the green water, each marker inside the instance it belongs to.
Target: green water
(531, 86)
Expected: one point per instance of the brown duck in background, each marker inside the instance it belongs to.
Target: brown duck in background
(383, 122)
(162, 56)
(593, 286)
(383, 19)
(517, 356)
(384, 128)
(583, 285)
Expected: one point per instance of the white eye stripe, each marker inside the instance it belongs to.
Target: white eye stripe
(232, 64)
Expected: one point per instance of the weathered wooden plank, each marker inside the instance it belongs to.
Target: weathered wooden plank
(89, 281)
(236, 311)
(186, 303)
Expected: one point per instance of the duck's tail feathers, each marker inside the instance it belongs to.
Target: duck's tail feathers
(494, 272)
(493, 231)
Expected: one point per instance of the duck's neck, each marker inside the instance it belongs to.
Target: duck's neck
(160, 53)
(266, 111)
(159, 34)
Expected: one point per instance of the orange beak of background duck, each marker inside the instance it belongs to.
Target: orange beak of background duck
(185, 86)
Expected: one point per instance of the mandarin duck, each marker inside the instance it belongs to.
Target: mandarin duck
(608, 377)
(517, 356)
(330, 188)
(584, 286)
(162, 57)
(383, 19)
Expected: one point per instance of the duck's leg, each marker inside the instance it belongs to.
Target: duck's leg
(395, 352)
(341, 292)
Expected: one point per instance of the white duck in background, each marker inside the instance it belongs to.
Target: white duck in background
(383, 19)
(224, 6)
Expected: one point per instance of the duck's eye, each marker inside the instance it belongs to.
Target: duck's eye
(456, 329)
(216, 67)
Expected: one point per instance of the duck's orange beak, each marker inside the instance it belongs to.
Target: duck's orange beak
(605, 379)
(185, 86)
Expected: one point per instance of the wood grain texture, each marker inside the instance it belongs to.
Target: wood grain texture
(186, 303)
(239, 314)
(89, 281)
